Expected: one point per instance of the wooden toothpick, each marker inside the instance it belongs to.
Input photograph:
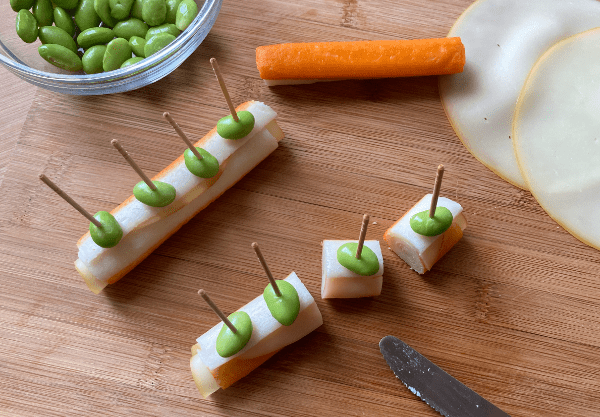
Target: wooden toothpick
(363, 232)
(69, 200)
(135, 166)
(219, 313)
(215, 68)
(261, 258)
(182, 135)
(436, 190)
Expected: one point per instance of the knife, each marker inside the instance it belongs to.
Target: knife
(427, 381)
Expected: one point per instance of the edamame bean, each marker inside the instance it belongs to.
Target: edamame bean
(132, 27)
(186, 12)
(18, 5)
(154, 12)
(137, 45)
(61, 57)
(165, 28)
(85, 16)
(172, 10)
(102, 8)
(131, 61)
(95, 36)
(43, 12)
(63, 20)
(157, 42)
(27, 27)
(136, 9)
(117, 52)
(66, 4)
(92, 59)
(57, 36)
(120, 9)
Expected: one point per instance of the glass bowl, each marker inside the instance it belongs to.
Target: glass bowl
(23, 59)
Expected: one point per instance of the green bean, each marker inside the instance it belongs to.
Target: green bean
(136, 9)
(132, 27)
(43, 12)
(85, 16)
(102, 8)
(61, 57)
(154, 12)
(66, 4)
(27, 27)
(165, 28)
(137, 45)
(63, 20)
(57, 36)
(186, 13)
(131, 61)
(172, 11)
(17, 5)
(157, 42)
(120, 9)
(95, 36)
(117, 52)
(92, 59)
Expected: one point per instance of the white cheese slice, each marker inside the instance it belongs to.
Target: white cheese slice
(557, 134)
(503, 39)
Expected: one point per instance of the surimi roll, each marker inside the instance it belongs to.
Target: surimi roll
(303, 63)
(211, 371)
(340, 282)
(421, 252)
(145, 227)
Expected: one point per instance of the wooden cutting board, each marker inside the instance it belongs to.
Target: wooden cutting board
(512, 310)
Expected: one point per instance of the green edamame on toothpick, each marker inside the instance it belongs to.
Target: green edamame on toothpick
(356, 257)
(198, 161)
(438, 219)
(151, 193)
(280, 296)
(236, 332)
(238, 124)
(104, 228)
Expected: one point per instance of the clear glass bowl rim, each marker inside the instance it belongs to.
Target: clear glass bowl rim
(133, 74)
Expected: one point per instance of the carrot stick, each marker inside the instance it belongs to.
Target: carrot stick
(361, 59)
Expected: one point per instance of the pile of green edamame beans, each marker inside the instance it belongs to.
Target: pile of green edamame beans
(101, 35)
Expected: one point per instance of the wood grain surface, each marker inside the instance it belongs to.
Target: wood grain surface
(513, 310)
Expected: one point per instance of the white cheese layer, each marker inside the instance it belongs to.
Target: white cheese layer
(263, 325)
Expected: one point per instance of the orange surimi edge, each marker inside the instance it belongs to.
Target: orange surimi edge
(360, 59)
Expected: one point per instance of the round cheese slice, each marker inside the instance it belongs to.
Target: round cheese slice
(557, 134)
(503, 39)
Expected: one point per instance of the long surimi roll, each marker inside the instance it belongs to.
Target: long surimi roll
(211, 371)
(421, 252)
(302, 63)
(145, 227)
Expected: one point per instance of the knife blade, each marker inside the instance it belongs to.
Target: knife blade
(429, 382)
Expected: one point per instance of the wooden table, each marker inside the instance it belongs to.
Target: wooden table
(512, 311)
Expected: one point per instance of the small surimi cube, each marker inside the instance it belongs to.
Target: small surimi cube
(340, 282)
(421, 252)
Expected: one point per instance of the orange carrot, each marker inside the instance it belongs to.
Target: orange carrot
(361, 59)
